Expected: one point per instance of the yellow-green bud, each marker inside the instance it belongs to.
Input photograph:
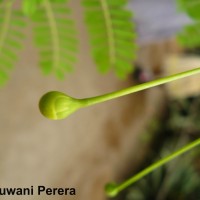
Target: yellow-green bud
(56, 105)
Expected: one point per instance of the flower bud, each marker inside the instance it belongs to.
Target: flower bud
(56, 105)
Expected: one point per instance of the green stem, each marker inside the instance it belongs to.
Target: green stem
(112, 189)
(112, 95)
(109, 28)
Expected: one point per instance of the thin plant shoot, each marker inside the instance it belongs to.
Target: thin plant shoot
(112, 189)
(56, 105)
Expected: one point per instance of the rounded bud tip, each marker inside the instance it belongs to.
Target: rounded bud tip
(56, 105)
(111, 189)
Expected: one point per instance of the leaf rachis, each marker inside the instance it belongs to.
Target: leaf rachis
(110, 33)
(54, 33)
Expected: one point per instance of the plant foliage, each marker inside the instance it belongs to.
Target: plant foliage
(111, 35)
(189, 37)
(11, 38)
(55, 37)
(109, 25)
(30, 7)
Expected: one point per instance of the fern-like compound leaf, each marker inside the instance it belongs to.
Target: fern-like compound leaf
(189, 37)
(11, 37)
(112, 35)
(55, 37)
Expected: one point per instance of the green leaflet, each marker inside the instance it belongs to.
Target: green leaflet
(55, 38)
(109, 25)
(190, 7)
(62, 10)
(111, 34)
(30, 7)
(11, 37)
(88, 3)
(189, 37)
(3, 77)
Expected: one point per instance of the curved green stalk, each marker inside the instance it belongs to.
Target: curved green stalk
(51, 103)
(113, 189)
(137, 88)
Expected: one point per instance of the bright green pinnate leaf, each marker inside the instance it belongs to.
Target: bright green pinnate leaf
(109, 24)
(11, 39)
(55, 37)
